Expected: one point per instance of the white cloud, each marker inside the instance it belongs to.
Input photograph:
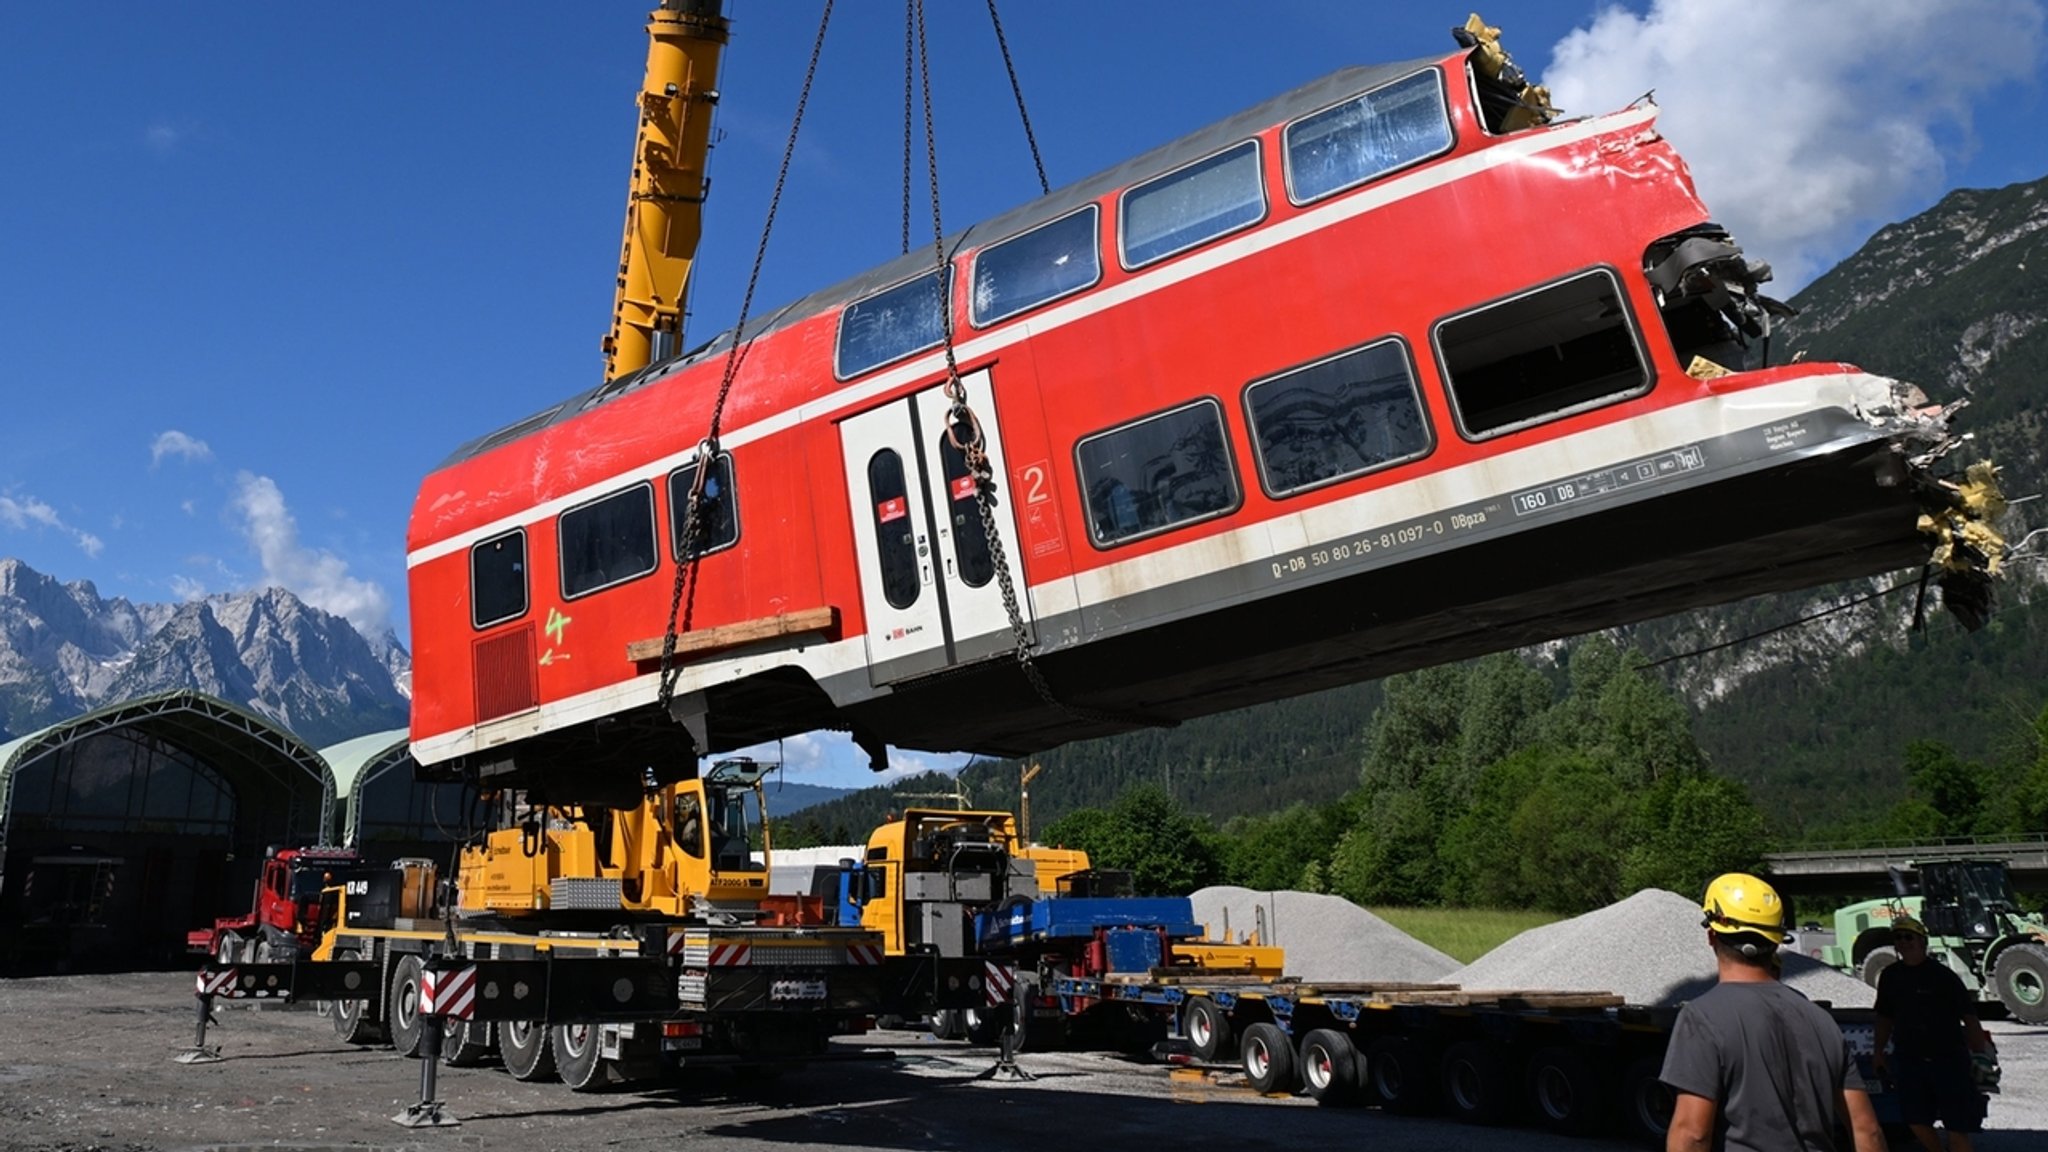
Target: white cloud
(186, 588)
(162, 138)
(176, 443)
(190, 508)
(314, 575)
(27, 511)
(1806, 125)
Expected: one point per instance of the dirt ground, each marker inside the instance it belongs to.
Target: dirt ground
(86, 1063)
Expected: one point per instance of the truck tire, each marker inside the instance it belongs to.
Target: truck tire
(1876, 962)
(984, 1026)
(228, 949)
(1207, 1028)
(948, 1024)
(402, 1006)
(528, 1049)
(1477, 1085)
(465, 1043)
(1568, 1092)
(2020, 977)
(578, 1056)
(1402, 1074)
(1646, 1101)
(1268, 1057)
(358, 1021)
(1331, 1069)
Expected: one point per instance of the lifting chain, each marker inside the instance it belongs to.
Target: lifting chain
(689, 540)
(974, 448)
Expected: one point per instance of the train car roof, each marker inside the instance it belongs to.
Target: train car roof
(1287, 106)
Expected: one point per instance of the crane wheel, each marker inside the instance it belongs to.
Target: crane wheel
(466, 1043)
(402, 1006)
(578, 1058)
(528, 1049)
(1268, 1057)
(357, 1021)
(2020, 976)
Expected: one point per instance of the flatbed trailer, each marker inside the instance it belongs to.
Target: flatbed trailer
(1574, 1062)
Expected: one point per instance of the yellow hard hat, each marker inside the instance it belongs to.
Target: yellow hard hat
(1905, 923)
(1737, 902)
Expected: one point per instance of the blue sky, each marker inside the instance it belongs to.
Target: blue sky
(265, 265)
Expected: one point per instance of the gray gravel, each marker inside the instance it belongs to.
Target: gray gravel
(1648, 949)
(1328, 938)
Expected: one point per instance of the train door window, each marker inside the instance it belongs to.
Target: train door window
(1199, 202)
(497, 579)
(895, 535)
(1052, 260)
(1542, 354)
(1348, 415)
(963, 507)
(608, 541)
(1368, 135)
(893, 323)
(1164, 470)
(719, 512)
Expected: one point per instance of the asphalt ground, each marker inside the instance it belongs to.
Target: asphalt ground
(86, 1063)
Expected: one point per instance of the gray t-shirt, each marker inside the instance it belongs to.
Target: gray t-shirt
(1772, 1059)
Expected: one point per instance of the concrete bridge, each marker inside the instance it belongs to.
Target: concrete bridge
(1862, 867)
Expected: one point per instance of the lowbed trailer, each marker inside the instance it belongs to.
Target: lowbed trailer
(1578, 1063)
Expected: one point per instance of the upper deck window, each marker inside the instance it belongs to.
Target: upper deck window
(608, 541)
(1183, 208)
(1548, 352)
(1369, 135)
(1050, 261)
(1348, 415)
(497, 579)
(720, 526)
(1161, 471)
(893, 323)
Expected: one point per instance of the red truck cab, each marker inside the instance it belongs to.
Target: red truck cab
(286, 914)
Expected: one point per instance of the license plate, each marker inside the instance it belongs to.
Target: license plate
(796, 990)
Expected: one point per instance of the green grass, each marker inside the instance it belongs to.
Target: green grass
(1465, 934)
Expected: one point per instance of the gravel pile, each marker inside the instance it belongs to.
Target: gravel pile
(1648, 949)
(1328, 938)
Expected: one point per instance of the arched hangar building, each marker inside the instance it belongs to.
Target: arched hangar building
(122, 829)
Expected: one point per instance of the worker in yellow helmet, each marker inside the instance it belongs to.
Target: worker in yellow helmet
(1929, 1021)
(1754, 1064)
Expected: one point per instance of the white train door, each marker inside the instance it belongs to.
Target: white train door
(928, 579)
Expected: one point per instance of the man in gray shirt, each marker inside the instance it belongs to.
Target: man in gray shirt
(1756, 1066)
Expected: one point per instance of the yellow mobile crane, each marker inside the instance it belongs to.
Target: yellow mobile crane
(665, 204)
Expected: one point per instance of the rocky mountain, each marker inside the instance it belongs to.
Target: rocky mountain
(64, 650)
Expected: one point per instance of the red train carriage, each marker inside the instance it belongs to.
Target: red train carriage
(1355, 382)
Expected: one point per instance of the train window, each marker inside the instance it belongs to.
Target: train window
(895, 533)
(963, 508)
(893, 323)
(1369, 135)
(1164, 470)
(608, 541)
(1345, 416)
(1056, 258)
(497, 579)
(1181, 209)
(1562, 348)
(720, 510)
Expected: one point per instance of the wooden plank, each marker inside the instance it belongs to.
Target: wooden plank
(702, 641)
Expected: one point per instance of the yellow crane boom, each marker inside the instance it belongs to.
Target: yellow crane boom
(665, 206)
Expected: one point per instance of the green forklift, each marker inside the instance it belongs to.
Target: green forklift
(1974, 926)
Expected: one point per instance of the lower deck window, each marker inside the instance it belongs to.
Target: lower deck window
(608, 541)
(1546, 353)
(1348, 415)
(1161, 471)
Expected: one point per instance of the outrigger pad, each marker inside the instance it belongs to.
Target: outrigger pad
(198, 1056)
(427, 1115)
